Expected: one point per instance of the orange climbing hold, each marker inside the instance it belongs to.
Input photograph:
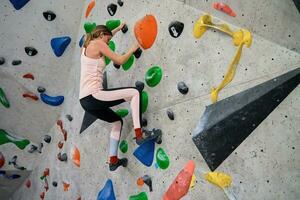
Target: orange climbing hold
(76, 156)
(145, 31)
(224, 8)
(29, 76)
(28, 183)
(31, 96)
(140, 181)
(90, 8)
(66, 186)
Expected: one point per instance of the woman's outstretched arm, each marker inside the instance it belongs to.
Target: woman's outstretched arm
(117, 29)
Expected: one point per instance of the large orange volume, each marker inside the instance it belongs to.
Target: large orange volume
(145, 31)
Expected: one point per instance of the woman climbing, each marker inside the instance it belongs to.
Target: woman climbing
(96, 100)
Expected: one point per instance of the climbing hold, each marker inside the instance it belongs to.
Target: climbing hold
(153, 76)
(140, 181)
(81, 41)
(2, 60)
(18, 4)
(76, 156)
(170, 114)
(126, 66)
(89, 27)
(31, 51)
(46, 185)
(120, 2)
(30, 95)
(41, 89)
(124, 29)
(13, 161)
(219, 179)
(66, 186)
(181, 184)
(59, 124)
(122, 112)
(28, 183)
(162, 159)
(32, 149)
(145, 152)
(112, 46)
(90, 8)
(144, 122)
(112, 24)
(139, 85)
(182, 88)
(53, 101)
(2, 160)
(69, 117)
(54, 183)
(49, 15)
(59, 45)
(137, 54)
(46, 173)
(176, 28)
(62, 157)
(16, 62)
(145, 31)
(140, 196)
(65, 134)
(60, 144)
(116, 66)
(112, 9)
(224, 8)
(193, 181)
(47, 138)
(123, 146)
(6, 138)
(144, 101)
(3, 99)
(42, 195)
(148, 181)
(107, 192)
(29, 76)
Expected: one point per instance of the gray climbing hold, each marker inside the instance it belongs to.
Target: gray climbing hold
(170, 114)
(32, 149)
(2, 60)
(182, 88)
(16, 62)
(144, 122)
(54, 183)
(40, 147)
(112, 9)
(13, 161)
(62, 157)
(41, 89)
(139, 85)
(69, 117)
(137, 54)
(49, 15)
(47, 138)
(148, 181)
(31, 51)
(120, 3)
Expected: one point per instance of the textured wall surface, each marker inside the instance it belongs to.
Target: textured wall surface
(264, 166)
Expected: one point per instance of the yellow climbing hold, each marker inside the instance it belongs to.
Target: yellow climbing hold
(193, 182)
(219, 179)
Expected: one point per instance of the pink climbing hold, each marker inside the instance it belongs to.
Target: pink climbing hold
(2, 160)
(28, 183)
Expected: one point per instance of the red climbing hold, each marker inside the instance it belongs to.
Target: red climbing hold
(90, 8)
(60, 144)
(224, 8)
(60, 124)
(64, 132)
(42, 195)
(28, 183)
(2, 160)
(31, 96)
(28, 75)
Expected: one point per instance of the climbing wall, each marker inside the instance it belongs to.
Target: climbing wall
(264, 166)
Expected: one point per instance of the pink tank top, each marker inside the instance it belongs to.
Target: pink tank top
(91, 75)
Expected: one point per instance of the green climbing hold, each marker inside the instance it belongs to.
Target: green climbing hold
(112, 24)
(3, 98)
(144, 101)
(162, 159)
(140, 196)
(123, 146)
(112, 46)
(6, 138)
(122, 112)
(126, 66)
(89, 27)
(153, 76)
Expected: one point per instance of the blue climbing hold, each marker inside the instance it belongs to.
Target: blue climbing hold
(145, 152)
(18, 4)
(107, 192)
(53, 101)
(81, 41)
(60, 44)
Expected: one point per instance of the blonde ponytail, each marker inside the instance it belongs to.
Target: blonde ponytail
(87, 39)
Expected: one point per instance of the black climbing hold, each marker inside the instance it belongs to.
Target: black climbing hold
(112, 9)
(31, 51)
(120, 3)
(138, 53)
(41, 89)
(54, 183)
(148, 181)
(69, 117)
(176, 28)
(13, 160)
(32, 149)
(139, 85)
(16, 62)
(63, 157)
(182, 88)
(170, 114)
(144, 122)
(124, 29)
(227, 123)
(2, 60)
(117, 66)
(47, 138)
(49, 15)
(88, 120)
(104, 82)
